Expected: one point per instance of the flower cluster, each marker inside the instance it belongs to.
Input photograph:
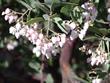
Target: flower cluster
(10, 16)
(75, 30)
(90, 12)
(43, 46)
(48, 46)
(98, 55)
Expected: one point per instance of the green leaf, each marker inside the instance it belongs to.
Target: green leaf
(42, 7)
(96, 1)
(49, 24)
(33, 5)
(101, 21)
(66, 10)
(108, 30)
(95, 30)
(91, 38)
(0, 2)
(25, 4)
(103, 45)
(49, 79)
(34, 65)
(103, 31)
(77, 14)
(27, 1)
(75, 1)
(34, 20)
(106, 67)
(59, 23)
(49, 2)
(108, 46)
(4, 64)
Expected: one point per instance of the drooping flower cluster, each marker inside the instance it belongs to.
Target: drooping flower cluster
(90, 11)
(98, 55)
(75, 30)
(10, 16)
(43, 46)
(89, 14)
(51, 47)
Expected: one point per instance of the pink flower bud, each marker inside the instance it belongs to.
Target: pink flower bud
(83, 6)
(35, 26)
(81, 36)
(30, 31)
(58, 39)
(12, 30)
(93, 61)
(41, 36)
(3, 13)
(18, 26)
(38, 42)
(23, 32)
(17, 35)
(7, 11)
(72, 25)
(9, 46)
(6, 17)
(50, 44)
(53, 40)
(15, 17)
(36, 50)
(86, 25)
(11, 19)
(108, 10)
(63, 38)
(61, 44)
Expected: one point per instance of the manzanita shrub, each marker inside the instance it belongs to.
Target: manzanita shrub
(45, 26)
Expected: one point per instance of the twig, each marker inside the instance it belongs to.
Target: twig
(23, 15)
